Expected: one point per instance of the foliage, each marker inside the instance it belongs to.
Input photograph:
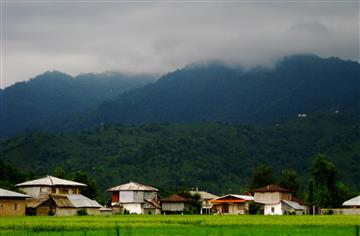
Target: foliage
(90, 189)
(82, 212)
(289, 180)
(212, 156)
(262, 176)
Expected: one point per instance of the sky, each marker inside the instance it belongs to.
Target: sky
(156, 37)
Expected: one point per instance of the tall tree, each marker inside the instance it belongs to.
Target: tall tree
(289, 180)
(262, 176)
(90, 190)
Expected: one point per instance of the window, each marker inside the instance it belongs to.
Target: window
(272, 209)
(15, 206)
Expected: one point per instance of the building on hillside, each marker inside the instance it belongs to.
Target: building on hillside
(174, 204)
(61, 205)
(12, 203)
(54, 196)
(50, 185)
(135, 198)
(231, 204)
(205, 197)
(353, 202)
(278, 201)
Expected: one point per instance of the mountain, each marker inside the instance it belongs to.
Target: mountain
(218, 92)
(212, 156)
(54, 96)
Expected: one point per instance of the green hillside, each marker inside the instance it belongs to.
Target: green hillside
(218, 157)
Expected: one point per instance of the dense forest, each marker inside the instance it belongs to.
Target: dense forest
(218, 157)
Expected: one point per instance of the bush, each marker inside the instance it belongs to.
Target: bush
(82, 212)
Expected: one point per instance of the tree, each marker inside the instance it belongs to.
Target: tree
(59, 172)
(90, 190)
(289, 180)
(326, 191)
(262, 176)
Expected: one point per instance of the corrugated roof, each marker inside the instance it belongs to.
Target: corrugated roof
(294, 205)
(132, 186)
(79, 200)
(174, 198)
(35, 202)
(352, 202)
(51, 181)
(237, 196)
(204, 195)
(271, 188)
(62, 201)
(10, 194)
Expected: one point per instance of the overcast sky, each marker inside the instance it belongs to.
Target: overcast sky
(157, 37)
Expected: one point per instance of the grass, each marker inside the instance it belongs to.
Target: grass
(181, 225)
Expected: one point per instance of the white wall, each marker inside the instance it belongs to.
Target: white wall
(267, 197)
(133, 208)
(277, 209)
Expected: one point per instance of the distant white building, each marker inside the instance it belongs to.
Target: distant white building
(135, 198)
(278, 201)
(205, 197)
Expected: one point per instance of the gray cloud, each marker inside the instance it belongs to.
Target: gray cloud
(158, 37)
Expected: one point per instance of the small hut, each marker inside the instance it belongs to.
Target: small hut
(12, 203)
(174, 204)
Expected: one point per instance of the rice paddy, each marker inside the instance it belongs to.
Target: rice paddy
(181, 225)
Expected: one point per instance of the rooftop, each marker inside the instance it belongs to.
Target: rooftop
(10, 194)
(352, 202)
(232, 198)
(51, 181)
(132, 186)
(174, 198)
(271, 188)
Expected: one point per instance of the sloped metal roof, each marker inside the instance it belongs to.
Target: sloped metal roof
(241, 197)
(204, 195)
(174, 198)
(352, 202)
(294, 205)
(132, 186)
(51, 181)
(78, 201)
(10, 194)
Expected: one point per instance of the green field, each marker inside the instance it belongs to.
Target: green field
(181, 225)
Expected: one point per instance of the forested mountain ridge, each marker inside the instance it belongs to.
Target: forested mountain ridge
(54, 96)
(212, 156)
(218, 92)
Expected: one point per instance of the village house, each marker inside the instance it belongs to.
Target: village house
(231, 204)
(205, 197)
(12, 203)
(353, 202)
(278, 201)
(54, 196)
(135, 198)
(174, 204)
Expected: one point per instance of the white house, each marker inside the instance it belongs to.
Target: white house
(135, 198)
(232, 204)
(205, 197)
(353, 202)
(278, 201)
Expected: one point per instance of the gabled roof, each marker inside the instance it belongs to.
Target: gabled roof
(352, 202)
(232, 198)
(51, 181)
(271, 188)
(174, 198)
(294, 205)
(10, 194)
(74, 200)
(204, 195)
(35, 202)
(132, 186)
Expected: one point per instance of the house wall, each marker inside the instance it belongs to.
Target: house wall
(73, 211)
(172, 206)
(150, 195)
(267, 197)
(343, 211)
(233, 208)
(277, 210)
(12, 207)
(37, 191)
(133, 208)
